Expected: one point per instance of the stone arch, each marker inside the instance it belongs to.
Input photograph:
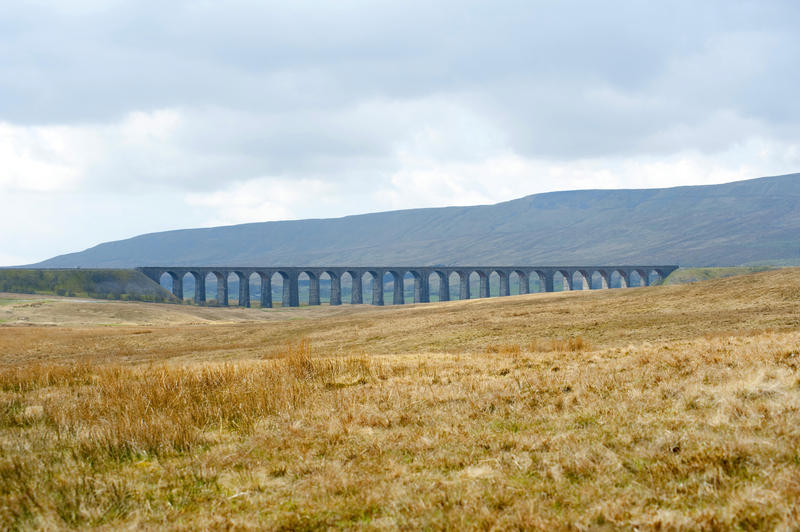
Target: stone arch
(356, 286)
(442, 283)
(188, 282)
(618, 279)
(498, 283)
(373, 288)
(209, 283)
(582, 279)
(463, 284)
(540, 281)
(234, 287)
(518, 282)
(330, 289)
(280, 283)
(308, 287)
(454, 283)
(197, 286)
(169, 280)
(600, 278)
(219, 282)
(240, 286)
(483, 283)
(565, 280)
(641, 275)
(394, 280)
(261, 284)
(655, 276)
(474, 280)
(415, 286)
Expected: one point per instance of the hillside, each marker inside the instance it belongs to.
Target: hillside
(104, 284)
(693, 275)
(716, 225)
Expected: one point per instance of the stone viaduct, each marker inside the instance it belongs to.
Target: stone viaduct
(569, 276)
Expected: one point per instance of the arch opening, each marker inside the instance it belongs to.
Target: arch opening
(576, 281)
(518, 283)
(308, 288)
(325, 287)
(617, 279)
(434, 284)
(209, 288)
(599, 280)
(239, 288)
(253, 282)
(581, 280)
(373, 289)
(536, 281)
(345, 288)
(438, 287)
(494, 284)
(189, 286)
(167, 280)
(474, 285)
(411, 287)
(392, 283)
(655, 277)
(454, 283)
(367, 282)
(232, 280)
(279, 282)
(561, 281)
(352, 281)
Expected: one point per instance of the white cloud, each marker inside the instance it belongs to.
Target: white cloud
(36, 159)
(264, 199)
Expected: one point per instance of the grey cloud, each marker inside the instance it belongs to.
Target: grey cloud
(289, 87)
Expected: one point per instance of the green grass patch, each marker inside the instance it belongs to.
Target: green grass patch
(693, 275)
(98, 284)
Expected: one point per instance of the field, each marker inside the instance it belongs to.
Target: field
(669, 407)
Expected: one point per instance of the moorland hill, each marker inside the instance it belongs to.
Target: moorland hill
(714, 225)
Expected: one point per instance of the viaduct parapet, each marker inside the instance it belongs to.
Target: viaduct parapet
(570, 277)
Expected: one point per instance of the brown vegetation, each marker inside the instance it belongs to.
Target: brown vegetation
(638, 409)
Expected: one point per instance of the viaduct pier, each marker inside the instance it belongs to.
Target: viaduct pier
(569, 278)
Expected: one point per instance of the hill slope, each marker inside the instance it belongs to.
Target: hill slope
(104, 284)
(729, 224)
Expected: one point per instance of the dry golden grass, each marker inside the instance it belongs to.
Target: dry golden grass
(660, 408)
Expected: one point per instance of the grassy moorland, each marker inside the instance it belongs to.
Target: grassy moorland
(692, 275)
(672, 407)
(104, 284)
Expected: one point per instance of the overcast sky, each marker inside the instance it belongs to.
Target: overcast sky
(120, 118)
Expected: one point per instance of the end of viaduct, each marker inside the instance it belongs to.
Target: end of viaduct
(569, 276)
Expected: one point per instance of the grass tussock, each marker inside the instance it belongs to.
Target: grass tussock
(568, 345)
(506, 349)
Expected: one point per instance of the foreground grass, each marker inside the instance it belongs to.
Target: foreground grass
(695, 434)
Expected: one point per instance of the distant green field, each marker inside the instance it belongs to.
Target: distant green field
(101, 284)
(692, 275)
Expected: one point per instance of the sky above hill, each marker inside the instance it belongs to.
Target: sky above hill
(120, 118)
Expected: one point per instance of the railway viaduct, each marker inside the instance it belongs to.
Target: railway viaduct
(569, 276)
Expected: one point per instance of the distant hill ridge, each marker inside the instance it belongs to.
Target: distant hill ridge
(713, 225)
